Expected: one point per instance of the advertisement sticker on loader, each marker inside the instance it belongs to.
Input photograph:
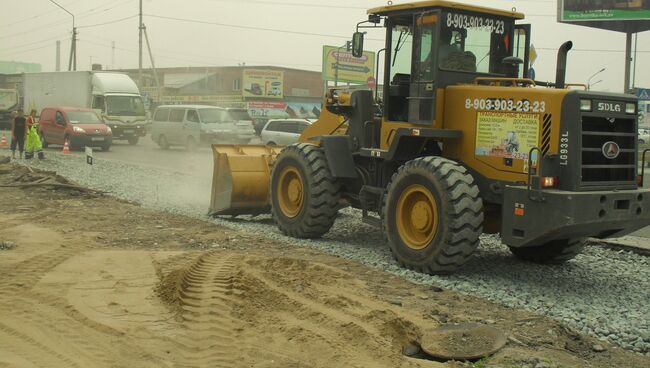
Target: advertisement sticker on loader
(463, 142)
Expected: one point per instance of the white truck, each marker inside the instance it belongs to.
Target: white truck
(114, 94)
(8, 103)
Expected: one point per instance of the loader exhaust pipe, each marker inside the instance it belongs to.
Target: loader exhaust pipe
(560, 73)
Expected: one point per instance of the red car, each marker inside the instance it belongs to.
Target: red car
(81, 127)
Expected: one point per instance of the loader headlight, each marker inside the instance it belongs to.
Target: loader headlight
(78, 130)
(585, 105)
(630, 108)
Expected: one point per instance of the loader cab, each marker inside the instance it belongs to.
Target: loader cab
(432, 47)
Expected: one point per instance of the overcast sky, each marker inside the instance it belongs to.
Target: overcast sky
(271, 32)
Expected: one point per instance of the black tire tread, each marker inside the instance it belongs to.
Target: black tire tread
(324, 194)
(464, 217)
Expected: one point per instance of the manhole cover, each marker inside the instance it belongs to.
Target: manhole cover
(462, 341)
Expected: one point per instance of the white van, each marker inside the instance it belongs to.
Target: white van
(191, 125)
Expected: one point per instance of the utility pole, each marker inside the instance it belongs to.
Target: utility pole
(72, 62)
(153, 64)
(628, 60)
(140, 28)
(58, 56)
(73, 51)
(113, 55)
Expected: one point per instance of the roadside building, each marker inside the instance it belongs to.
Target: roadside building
(267, 92)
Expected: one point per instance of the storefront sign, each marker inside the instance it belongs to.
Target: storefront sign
(267, 109)
(213, 99)
(263, 83)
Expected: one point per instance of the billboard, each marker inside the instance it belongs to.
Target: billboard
(603, 10)
(350, 69)
(11, 67)
(263, 83)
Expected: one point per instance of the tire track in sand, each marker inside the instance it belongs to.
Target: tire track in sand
(207, 294)
(79, 338)
(33, 351)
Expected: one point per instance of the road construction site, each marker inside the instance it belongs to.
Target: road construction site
(164, 232)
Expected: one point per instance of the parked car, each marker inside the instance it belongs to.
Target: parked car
(191, 125)
(283, 131)
(81, 127)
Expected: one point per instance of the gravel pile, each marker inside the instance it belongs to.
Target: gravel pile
(603, 292)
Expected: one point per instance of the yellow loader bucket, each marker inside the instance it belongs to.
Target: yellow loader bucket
(240, 181)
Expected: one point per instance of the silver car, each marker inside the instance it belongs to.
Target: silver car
(191, 125)
(283, 131)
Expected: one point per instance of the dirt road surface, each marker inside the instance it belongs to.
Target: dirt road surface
(98, 282)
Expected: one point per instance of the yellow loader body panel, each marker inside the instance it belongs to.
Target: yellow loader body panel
(242, 173)
(240, 181)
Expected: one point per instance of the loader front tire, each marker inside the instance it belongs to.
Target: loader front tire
(304, 194)
(554, 252)
(432, 215)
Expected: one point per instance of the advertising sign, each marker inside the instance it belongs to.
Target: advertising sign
(599, 10)
(263, 83)
(506, 134)
(200, 99)
(277, 110)
(267, 109)
(350, 69)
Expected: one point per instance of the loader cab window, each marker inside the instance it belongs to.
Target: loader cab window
(402, 46)
(411, 67)
(478, 43)
(399, 64)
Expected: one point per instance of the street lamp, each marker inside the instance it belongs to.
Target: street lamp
(590, 78)
(596, 82)
(72, 63)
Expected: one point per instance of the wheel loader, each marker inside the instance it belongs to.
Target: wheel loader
(461, 142)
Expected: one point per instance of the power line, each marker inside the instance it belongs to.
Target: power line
(37, 42)
(84, 14)
(289, 4)
(165, 55)
(284, 3)
(35, 16)
(246, 27)
(29, 50)
(109, 22)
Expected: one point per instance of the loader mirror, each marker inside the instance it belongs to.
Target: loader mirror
(357, 44)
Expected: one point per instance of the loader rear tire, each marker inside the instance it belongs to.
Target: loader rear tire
(553, 252)
(304, 194)
(432, 215)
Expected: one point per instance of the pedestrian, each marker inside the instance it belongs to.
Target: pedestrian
(31, 119)
(34, 143)
(18, 133)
